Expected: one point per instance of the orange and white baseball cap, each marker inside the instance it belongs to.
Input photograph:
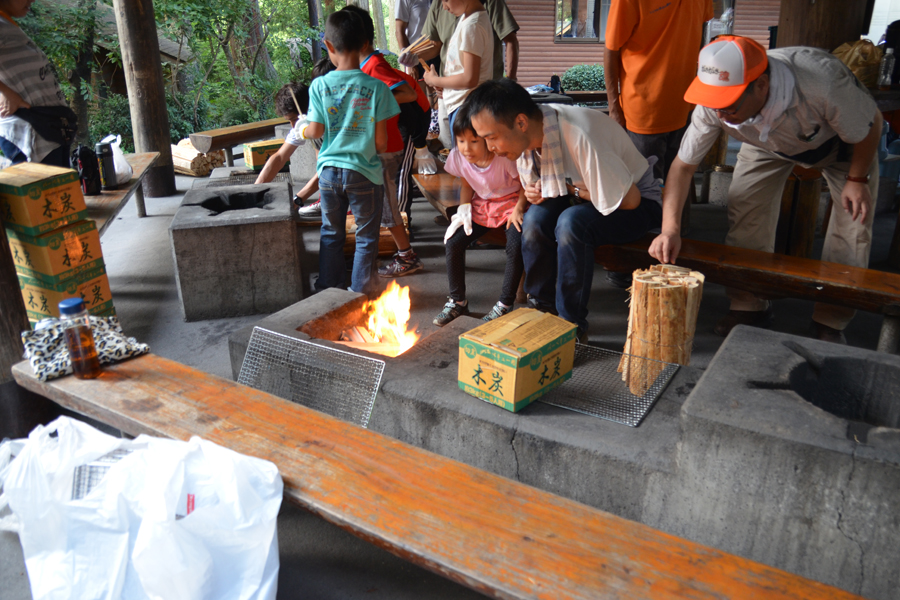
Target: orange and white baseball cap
(724, 70)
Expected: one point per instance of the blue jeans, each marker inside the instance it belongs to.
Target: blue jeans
(340, 189)
(558, 241)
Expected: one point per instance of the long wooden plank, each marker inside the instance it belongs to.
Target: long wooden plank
(441, 190)
(104, 207)
(772, 275)
(228, 137)
(495, 535)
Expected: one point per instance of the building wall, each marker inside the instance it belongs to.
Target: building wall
(540, 57)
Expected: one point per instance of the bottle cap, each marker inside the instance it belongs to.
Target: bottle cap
(71, 306)
(889, 51)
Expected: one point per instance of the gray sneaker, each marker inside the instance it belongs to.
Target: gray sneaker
(498, 311)
(450, 312)
(401, 266)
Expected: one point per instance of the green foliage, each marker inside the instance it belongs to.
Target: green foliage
(584, 78)
(112, 115)
(392, 60)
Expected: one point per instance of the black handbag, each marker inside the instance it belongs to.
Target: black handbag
(84, 160)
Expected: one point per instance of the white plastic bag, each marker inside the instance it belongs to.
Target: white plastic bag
(123, 169)
(169, 520)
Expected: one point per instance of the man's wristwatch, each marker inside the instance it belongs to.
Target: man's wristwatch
(849, 177)
(576, 192)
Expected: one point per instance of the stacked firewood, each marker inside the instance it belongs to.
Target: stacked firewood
(188, 161)
(662, 319)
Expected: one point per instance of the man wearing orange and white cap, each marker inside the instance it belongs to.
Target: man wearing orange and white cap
(790, 106)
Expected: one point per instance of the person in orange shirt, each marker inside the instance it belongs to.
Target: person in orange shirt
(649, 62)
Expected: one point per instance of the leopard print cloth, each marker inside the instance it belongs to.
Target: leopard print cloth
(45, 346)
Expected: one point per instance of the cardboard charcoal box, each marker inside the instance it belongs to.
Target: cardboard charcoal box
(517, 358)
(37, 198)
(57, 256)
(257, 153)
(42, 301)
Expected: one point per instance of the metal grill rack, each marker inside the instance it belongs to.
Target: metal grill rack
(596, 387)
(245, 178)
(87, 476)
(332, 381)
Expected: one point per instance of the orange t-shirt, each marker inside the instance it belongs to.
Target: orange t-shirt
(659, 41)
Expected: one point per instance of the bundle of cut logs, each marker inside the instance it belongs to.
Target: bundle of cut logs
(188, 161)
(665, 300)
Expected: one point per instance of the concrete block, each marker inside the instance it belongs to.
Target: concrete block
(235, 251)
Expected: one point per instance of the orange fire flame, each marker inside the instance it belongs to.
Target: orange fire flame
(388, 318)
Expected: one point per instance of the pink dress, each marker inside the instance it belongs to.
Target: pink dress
(496, 187)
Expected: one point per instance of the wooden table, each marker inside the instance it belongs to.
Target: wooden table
(225, 138)
(497, 536)
(103, 208)
(441, 190)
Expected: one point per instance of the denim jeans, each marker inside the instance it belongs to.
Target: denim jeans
(558, 241)
(340, 189)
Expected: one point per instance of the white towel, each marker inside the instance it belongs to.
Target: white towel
(549, 166)
(781, 92)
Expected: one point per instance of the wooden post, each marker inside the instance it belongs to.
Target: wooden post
(136, 24)
(823, 23)
(378, 17)
(13, 318)
(314, 11)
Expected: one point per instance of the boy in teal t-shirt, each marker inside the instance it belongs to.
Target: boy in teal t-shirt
(348, 110)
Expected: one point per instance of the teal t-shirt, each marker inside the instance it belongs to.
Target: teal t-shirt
(348, 104)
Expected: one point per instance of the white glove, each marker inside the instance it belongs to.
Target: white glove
(408, 59)
(425, 161)
(300, 129)
(463, 217)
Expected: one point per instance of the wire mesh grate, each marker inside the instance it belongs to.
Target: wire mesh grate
(87, 476)
(245, 178)
(339, 383)
(597, 389)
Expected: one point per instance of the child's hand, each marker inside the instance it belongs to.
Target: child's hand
(462, 218)
(515, 218)
(430, 76)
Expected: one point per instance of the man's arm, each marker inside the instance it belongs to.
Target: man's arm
(612, 64)
(667, 244)
(512, 55)
(400, 33)
(856, 197)
(10, 101)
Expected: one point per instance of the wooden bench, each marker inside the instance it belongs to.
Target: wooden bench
(104, 207)
(226, 138)
(770, 275)
(494, 535)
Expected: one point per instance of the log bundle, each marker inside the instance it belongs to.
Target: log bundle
(187, 160)
(662, 319)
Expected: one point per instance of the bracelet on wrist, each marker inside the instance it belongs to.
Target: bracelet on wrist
(849, 177)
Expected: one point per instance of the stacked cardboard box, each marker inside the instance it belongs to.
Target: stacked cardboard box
(55, 248)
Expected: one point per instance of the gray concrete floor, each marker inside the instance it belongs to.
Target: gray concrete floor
(318, 560)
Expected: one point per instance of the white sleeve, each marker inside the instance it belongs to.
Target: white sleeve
(402, 11)
(700, 136)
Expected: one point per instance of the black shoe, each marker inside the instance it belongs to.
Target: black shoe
(754, 318)
(619, 280)
(828, 334)
(541, 306)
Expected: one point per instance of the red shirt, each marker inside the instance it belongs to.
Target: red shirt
(376, 66)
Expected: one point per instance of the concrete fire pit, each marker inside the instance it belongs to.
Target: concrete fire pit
(736, 457)
(235, 251)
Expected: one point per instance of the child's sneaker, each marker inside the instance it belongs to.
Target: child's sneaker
(401, 266)
(450, 312)
(313, 212)
(498, 311)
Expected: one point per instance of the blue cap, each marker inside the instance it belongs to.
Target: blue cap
(71, 306)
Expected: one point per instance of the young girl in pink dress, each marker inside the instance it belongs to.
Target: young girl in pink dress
(491, 196)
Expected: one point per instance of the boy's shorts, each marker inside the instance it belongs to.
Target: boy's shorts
(390, 161)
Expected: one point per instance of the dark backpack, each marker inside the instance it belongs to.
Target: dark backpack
(84, 160)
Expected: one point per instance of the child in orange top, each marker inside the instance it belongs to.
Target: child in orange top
(491, 196)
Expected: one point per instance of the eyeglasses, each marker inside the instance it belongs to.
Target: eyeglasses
(730, 112)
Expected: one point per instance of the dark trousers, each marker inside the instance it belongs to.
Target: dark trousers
(558, 240)
(456, 262)
(664, 146)
(58, 157)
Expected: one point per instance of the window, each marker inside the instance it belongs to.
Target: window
(581, 20)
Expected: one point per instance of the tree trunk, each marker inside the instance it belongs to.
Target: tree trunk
(81, 75)
(378, 17)
(136, 24)
(13, 318)
(256, 44)
(329, 8)
(315, 9)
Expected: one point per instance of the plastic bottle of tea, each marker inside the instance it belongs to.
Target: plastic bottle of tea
(79, 338)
